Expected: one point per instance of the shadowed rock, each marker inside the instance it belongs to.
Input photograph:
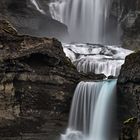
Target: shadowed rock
(129, 96)
(37, 82)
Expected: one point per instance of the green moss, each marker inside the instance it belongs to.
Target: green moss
(69, 63)
(137, 50)
(7, 27)
(130, 120)
(1, 61)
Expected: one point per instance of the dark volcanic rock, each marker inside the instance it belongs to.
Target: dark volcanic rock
(28, 20)
(129, 96)
(130, 71)
(37, 82)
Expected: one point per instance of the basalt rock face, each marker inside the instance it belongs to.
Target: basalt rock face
(129, 97)
(37, 82)
(28, 20)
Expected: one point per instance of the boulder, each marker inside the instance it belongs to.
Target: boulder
(129, 96)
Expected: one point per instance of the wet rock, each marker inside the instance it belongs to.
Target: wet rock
(130, 129)
(28, 20)
(37, 82)
(112, 77)
(91, 76)
(129, 94)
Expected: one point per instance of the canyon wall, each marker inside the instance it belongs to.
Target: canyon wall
(129, 96)
(37, 82)
(28, 20)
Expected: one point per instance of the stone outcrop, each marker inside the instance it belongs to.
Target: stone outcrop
(28, 20)
(128, 12)
(37, 82)
(129, 96)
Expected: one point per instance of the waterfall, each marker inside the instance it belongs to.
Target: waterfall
(96, 58)
(91, 111)
(35, 3)
(88, 22)
(86, 19)
(83, 105)
(100, 127)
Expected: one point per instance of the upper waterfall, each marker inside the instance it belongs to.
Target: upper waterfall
(35, 3)
(86, 19)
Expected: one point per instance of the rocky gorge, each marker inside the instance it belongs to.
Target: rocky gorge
(37, 84)
(37, 80)
(42, 63)
(27, 20)
(128, 96)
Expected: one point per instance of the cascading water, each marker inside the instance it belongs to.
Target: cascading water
(96, 58)
(92, 108)
(91, 111)
(83, 104)
(93, 102)
(86, 19)
(34, 2)
(101, 125)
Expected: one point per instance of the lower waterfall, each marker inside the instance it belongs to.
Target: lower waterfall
(92, 111)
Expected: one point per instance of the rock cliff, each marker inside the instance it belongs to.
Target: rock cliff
(37, 82)
(129, 79)
(129, 96)
(28, 20)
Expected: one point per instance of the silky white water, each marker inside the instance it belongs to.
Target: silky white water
(100, 128)
(97, 59)
(83, 105)
(91, 111)
(86, 19)
(35, 3)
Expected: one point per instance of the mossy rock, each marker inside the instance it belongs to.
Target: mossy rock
(7, 27)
